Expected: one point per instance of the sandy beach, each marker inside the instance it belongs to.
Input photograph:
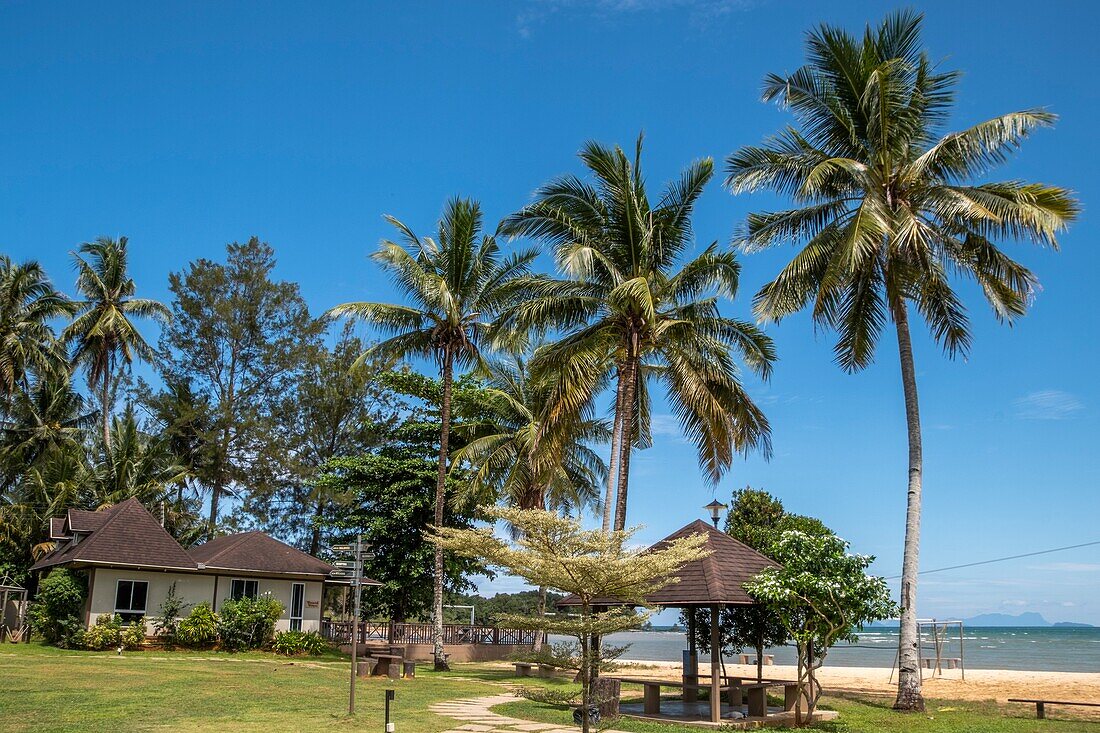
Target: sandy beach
(980, 684)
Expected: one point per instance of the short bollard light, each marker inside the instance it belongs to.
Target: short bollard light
(389, 698)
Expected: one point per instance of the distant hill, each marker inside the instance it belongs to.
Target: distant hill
(1005, 619)
(998, 619)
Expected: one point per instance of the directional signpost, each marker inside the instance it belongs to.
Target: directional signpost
(352, 569)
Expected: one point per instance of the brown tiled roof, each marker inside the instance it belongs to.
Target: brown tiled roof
(125, 534)
(257, 552)
(57, 528)
(716, 579)
(82, 520)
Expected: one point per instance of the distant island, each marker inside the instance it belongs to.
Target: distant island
(1028, 619)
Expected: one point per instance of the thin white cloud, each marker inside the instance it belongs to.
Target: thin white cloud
(1068, 567)
(665, 425)
(534, 12)
(1048, 404)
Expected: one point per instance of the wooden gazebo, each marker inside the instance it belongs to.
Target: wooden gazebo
(13, 610)
(713, 582)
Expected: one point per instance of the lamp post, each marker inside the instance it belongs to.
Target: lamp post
(715, 508)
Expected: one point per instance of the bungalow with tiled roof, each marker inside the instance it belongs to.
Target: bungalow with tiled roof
(131, 563)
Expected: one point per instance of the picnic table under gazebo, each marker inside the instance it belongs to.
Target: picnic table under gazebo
(713, 582)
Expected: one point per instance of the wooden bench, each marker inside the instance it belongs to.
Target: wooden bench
(651, 690)
(757, 694)
(769, 659)
(1040, 705)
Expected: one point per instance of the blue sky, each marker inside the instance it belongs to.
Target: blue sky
(188, 125)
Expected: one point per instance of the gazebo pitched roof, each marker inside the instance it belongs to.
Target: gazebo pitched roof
(715, 580)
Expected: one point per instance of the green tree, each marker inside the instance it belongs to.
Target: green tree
(238, 338)
(103, 332)
(137, 465)
(456, 284)
(28, 345)
(334, 408)
(822, 595)
(888, 215)
(759, 520)
(523, 457)
(389, 496)
(44, 462)
(633, 306)
(556, 552)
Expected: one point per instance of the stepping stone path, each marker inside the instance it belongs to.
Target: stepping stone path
(477, 717)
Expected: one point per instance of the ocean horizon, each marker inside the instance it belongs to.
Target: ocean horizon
(1040, 648)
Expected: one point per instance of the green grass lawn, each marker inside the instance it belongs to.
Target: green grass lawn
(45, 689)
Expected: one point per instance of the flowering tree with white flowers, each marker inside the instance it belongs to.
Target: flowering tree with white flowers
(821, 594)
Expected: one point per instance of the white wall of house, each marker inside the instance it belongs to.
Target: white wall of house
(192, 588)
(195, 588)
(281, 590)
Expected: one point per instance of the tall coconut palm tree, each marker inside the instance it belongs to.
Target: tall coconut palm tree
(888, 215)
(28, 346)
(456, 283)
(520, 456)
(137, 465)
(103, 333)
(50, 416)
(635, 307)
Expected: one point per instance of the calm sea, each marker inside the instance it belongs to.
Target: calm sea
(1038, 649)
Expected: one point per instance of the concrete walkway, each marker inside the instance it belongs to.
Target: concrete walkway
(476, 717)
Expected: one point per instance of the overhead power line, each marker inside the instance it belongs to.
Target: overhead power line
(1002, 559)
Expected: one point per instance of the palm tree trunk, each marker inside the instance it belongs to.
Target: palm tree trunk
(105, 397)
(626, 439)
(613, 464)
(440, 496)
(909, 681)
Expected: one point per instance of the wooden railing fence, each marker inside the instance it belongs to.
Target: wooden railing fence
(339, 632)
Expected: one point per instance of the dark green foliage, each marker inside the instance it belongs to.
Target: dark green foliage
(238, 339)
(388, 494)
(757, 519)
(248, 623)
(390, 499)
(57, 605)
(292, 643)
(200, 629)
(488, 610)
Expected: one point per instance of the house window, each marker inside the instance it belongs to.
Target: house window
(243, 589)
(130, 596)
(297, 604)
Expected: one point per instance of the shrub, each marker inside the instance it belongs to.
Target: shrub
(55, 613)
(199, 629)
(165, 625)
(292, 643)
(248, 623)
(105, 633)
(133, 636)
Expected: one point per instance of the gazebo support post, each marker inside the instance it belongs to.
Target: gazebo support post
(715, 675)
(691, 663)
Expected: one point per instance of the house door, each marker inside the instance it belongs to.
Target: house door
(297, 604)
